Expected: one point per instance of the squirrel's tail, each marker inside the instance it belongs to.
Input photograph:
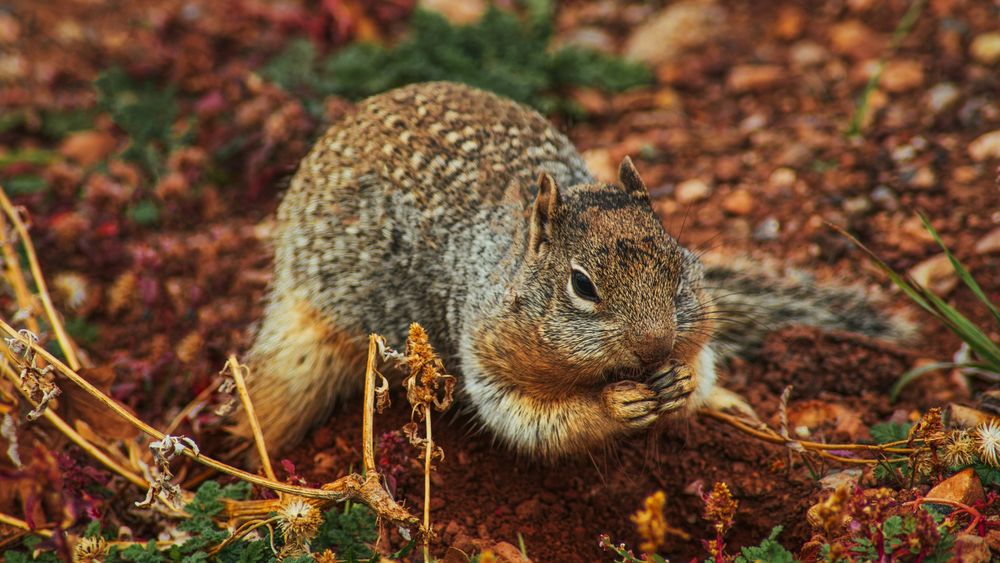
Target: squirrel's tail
(752, 299)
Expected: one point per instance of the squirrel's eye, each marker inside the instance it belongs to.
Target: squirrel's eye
(583, 287)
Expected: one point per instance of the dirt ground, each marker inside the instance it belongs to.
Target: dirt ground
(169, 302)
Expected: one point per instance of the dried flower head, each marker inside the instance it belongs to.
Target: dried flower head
(325, 556)
(988, 438)
(651, 523)
(90, 549)
(929, 428)
(427, 384)
(72, 289)
(829, 514)
(298, 520)
(720, 507)
(959, 449)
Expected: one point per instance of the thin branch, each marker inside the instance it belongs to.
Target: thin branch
(84, 444)
(366, 490)
(36, 272)
(236, 370)
(368, 415)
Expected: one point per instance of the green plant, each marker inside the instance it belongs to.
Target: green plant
(903, 28)
(349, 531)
(146, 113)
(500, 52)
(985, 354)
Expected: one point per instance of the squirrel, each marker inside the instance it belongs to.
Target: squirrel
(568, 313)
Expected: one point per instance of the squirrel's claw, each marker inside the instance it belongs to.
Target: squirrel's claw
(632, 403)
(673, 387)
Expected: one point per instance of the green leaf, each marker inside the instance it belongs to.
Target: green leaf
(962, 272)
(768, 551)
(25, 184)
(145, 213)
(886, 432)
(349, 533)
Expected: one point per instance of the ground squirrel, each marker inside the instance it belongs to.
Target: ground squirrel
(568, 312)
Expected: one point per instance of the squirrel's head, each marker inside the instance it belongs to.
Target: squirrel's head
(604, 289)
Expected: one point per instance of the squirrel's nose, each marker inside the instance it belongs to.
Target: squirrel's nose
(653, 350)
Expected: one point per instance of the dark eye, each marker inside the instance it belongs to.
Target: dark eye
(583, 287)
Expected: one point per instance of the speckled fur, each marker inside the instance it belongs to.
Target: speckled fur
(465, 212)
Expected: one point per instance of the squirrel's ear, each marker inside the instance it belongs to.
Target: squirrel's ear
(542, 212)
(629, 177)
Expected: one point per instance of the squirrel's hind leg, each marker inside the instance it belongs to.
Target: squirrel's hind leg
(300, 364)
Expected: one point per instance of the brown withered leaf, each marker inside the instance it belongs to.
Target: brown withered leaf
(77, 404)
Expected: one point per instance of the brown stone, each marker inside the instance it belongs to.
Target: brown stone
(963, 487)
(739, 202)
(749, 78)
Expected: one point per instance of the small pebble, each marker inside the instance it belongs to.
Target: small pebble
(808, 53)
(901, 76)
(691, 191)
(941, 97)
(990, 243)
(923, 179)
(750, 78)
(885, 198)
(782, 178)
(935, 273)
(857, 205)
(985, 48)
(767, 230)
(739, 202)
(985, 146)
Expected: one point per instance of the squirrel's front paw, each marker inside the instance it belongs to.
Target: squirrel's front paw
(632, 403)
(672, 387)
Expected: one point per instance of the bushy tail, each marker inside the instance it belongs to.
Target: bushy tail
(752, 299)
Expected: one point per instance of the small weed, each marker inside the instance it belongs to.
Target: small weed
(500, 52)
(144, 111)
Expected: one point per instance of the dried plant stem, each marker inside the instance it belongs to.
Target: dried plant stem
(16, 277)
(241, 532)
(258, 436)
(368, 415)
(823, 450)
(428, 452)
(365, 490)
(69, 350)
(84, 444)
(22, 525)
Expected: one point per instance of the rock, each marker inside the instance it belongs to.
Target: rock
(973, 548)
(985, 48)
(10, 29)
(960, 416)
(840, 477)
(854, 39)
(885, 198)
(691, 191)
(457, 11)
(749, 78)
(767, 230)
(782, 178)
(790, 22)
(964, 487)
(902, 75)
(923, 178)
(807, 53)
(990, 243)
(87, 147)
(507, 553)
(739, 202)
(941, 97)
(679, 27)
(601, 165)
(986, 146)
(936, 274)
(593, 38)
(857, 205)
